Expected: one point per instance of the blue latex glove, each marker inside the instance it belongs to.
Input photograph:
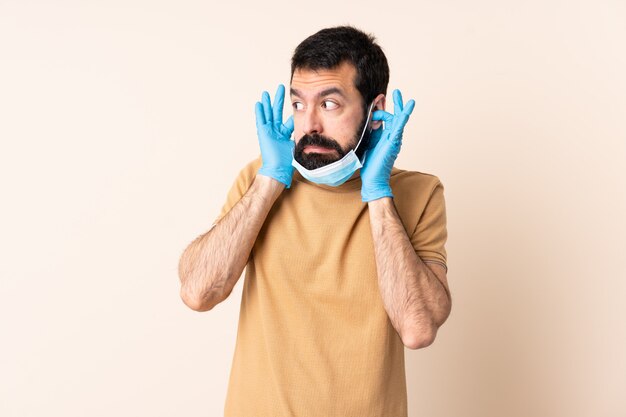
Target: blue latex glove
(275, 137)
(384, 148)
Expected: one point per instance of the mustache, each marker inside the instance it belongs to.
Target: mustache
(318, 140)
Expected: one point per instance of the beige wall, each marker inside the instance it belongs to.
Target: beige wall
(123, 124)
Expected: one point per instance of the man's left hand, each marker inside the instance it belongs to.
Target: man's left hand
(384, 148)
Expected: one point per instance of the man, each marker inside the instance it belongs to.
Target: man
(345, 259)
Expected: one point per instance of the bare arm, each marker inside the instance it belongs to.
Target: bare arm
(416, 300)
(212, 264)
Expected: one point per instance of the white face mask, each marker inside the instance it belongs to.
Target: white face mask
(338, 172)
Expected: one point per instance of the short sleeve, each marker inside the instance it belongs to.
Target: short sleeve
(240, 186)
(430, 234)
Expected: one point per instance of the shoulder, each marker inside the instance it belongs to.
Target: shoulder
(251, 168)
(240, 186)
(414, 194)
(414, 185)
(419, 199)
(247, 173)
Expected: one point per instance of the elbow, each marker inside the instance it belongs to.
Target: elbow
(198, 302)
(191, 296)
(419, 338)
(422, 335)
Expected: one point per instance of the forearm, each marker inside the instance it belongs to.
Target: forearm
(415, 299)
(211, 265)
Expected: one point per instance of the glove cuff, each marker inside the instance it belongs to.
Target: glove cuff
(371, 195)
(283, 175)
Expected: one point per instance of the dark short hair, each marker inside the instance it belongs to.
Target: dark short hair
(330, 47)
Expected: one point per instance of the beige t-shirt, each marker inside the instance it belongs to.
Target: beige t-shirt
(314, 338)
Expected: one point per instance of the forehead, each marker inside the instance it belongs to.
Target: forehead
(311, 82)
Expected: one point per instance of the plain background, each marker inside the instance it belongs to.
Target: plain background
(124, 123)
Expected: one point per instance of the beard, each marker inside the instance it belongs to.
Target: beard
(314, 160)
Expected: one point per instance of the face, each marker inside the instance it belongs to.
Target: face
(329, 115)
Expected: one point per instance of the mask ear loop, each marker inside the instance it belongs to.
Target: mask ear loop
(364, 127)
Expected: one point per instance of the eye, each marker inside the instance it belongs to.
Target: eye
(297, 105)
(330, 105)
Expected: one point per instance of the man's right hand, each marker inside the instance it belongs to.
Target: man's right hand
(275, 137)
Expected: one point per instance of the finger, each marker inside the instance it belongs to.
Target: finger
(289, 124)
(287, 128)
(397, 101)
(403, 117)
(408, 108)
(401, 121)
(260, 115)
(382, 115)
(267, 106)
(279, 100)
(375, 137)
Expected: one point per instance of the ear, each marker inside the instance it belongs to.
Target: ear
(379, 104)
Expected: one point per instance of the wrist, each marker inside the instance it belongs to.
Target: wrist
(380, 211)
(267, 186)
(382, 203)
(280, 174)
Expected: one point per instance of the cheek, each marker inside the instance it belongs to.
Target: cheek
(342, 129)
(339, 126)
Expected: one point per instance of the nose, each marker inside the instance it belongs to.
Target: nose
(312, 122)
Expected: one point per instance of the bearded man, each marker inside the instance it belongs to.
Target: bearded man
(344, 253)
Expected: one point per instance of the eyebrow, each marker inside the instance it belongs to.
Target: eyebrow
(323, 93)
